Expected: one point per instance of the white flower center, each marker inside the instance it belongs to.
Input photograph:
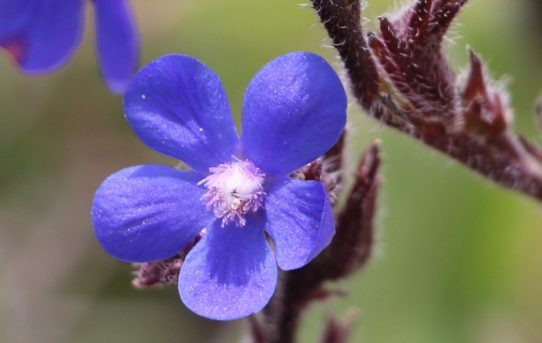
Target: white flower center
(234, 189)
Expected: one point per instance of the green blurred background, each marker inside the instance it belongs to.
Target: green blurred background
(458, 259)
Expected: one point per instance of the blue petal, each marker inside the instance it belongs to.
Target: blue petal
(230, 273)
(177, 106)
(294, 110)
(40, 35)
(149, 212)
(15, 16)
(118, 42)
(300, 221)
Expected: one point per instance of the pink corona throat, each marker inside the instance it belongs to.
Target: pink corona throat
(233, 190)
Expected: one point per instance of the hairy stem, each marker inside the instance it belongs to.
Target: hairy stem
(347, 253)
(379, 71)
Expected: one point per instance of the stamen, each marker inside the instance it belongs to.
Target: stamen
(233, 190)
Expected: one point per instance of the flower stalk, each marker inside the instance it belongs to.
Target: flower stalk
(348, 252)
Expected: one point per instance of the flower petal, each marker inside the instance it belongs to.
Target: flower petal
(177, 106)
(230, 273)
(294, 110)
(40, 35)
(300, 221)
(148, 212)
(118, 42)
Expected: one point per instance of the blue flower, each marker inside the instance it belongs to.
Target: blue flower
(238, 193)
(42, 35)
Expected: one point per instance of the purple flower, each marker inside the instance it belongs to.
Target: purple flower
(239, 189)
(42, 35)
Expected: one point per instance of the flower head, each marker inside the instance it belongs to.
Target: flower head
(238, 190)
(42, 35)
